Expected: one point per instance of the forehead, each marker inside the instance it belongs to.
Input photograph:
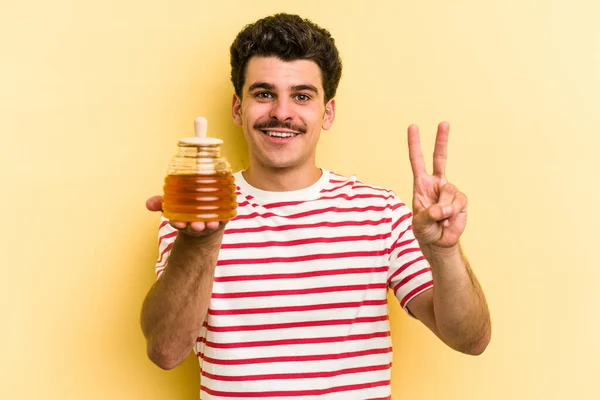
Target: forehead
(283, 74)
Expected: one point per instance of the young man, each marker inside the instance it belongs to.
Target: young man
(288, 299)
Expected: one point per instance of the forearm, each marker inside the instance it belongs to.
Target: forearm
(175, 307)
(459, 305)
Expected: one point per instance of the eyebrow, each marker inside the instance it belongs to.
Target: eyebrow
(295, 88)
(310, 88)
(261, 85)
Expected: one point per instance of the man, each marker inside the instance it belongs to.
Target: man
(288, 299)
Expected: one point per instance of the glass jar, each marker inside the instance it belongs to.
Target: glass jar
(199, 185)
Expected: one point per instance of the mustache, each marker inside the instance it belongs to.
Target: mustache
(273, 123)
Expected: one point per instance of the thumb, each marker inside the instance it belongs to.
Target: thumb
(426, 226)
(154, 203)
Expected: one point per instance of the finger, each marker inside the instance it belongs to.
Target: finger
(414, 152)
(216, 225)
(450, 195)
(444, 207)
(208, 225)
(446, 201)
(154, 203)
(178, 224)
(425, 226)
(459, 205)
(447, 194)
(438, 213)
(212, 225)
(440, 153)
(197, 226)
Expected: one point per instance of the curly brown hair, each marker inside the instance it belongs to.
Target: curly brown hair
(287, 37)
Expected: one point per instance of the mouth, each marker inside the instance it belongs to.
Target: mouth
(280, 135)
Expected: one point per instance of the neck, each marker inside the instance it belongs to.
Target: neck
(282, 179)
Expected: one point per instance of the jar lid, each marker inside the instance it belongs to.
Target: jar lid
(200, 128)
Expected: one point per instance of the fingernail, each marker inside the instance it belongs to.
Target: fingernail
(447, 211)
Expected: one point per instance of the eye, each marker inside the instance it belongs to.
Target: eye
(263, 95)
(301, 97)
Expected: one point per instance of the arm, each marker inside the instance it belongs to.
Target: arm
(455, 309)
(176, 305)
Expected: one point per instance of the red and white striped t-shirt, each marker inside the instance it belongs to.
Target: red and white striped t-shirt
(298, 309)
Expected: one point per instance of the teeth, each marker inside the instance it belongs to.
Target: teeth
(280, 134)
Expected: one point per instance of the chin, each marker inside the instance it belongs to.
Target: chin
(281, 164)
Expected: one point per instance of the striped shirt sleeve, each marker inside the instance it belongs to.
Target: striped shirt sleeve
(409, 273)
(166, 238)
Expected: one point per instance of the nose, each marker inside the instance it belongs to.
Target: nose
(282, 109)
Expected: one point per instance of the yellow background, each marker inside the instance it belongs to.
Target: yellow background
(95, 94)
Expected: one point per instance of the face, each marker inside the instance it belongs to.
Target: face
(282, 112)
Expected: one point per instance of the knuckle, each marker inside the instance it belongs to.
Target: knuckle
(450, 188)
(435, 212)
(461, 197)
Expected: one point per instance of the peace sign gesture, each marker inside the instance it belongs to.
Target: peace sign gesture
(439, 209)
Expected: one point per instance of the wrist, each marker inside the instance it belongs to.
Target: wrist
(198, 246)
(202, 240)
(436, 254)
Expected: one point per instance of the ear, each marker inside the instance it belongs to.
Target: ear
(329, 115)
(236, 110)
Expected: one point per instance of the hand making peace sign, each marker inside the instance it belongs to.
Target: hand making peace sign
(439, 209)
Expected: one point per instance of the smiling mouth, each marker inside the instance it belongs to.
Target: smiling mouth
(280, 135)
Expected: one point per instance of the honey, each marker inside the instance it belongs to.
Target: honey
(199, 185)
(199, 197)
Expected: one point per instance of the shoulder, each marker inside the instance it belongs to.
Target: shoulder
(359, 187)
